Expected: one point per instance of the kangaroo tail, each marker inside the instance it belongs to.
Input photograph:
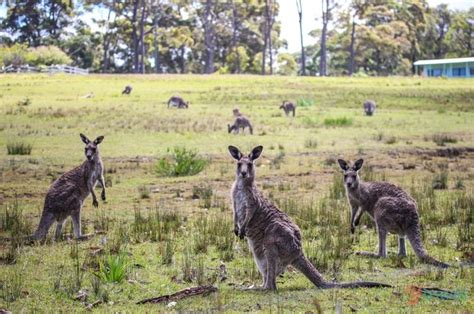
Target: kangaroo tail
(415, 241)
(304, 266)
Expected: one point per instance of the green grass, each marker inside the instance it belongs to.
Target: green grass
(176, 231)
(19, 148)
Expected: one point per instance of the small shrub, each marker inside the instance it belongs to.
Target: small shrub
(459, 184)
(24, 102)
(391, 140)
(113, 268)
(182, 162)
(442, 139)
(276, 162)
(19, 148)
(305, 102)
(311, 143)
(143, 191)
(440, 181)
(341, 121)
(204, 193)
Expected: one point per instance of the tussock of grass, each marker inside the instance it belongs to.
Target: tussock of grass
(19, 148)
(443, 139)
(341, 121)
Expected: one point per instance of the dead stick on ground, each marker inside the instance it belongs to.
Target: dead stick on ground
(188, 292)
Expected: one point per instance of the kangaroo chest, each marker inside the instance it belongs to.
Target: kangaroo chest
(242, 201)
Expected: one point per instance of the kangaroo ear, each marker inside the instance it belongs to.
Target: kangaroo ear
(343, 164)
(235, 152)
(358, 164)
(256, 152)
(98, 140)
(84, 139)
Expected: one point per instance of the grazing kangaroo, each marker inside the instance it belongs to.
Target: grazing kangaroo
(392, 209)
(369, 107)
(127, 90)
(288, 107)
(66, 195)
(178, 102)
(240, 122)
(275, 241)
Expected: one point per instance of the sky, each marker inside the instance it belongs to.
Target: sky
(312, 18)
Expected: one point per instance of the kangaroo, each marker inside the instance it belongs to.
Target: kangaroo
(392, 209)
(178, 102)
(288, 107)
(127, 90)
(66, 195)
(369, 107)
(240, 122)
(275, 240)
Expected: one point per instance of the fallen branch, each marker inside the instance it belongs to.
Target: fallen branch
(188, 292)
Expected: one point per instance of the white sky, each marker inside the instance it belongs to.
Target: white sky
(312, 18)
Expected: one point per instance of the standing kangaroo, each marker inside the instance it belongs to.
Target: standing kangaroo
(66, 195)
(288, 107)
(392, 209)
(240, 122)
(275, 241)
(178, 102)
(369, 107)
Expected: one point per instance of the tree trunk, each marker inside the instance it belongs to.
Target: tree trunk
(300, 15)
(234, 38)
(142, 38)
(155, 43)
(269, 30)
(105, 60)
(323, 62)
(265, 38)
(352, 48)
(135, 38)
(209, 38)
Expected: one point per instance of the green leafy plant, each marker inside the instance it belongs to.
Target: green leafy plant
(19, 148)
(182, 162)
(113, 268)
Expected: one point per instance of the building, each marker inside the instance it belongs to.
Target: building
(459, 67)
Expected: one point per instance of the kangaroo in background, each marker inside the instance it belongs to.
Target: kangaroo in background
(127, 90)
(66, 195)
(392, 209)
(288, 107)
(178, 102)
(369, 107)
(240, 122)
(275, 241)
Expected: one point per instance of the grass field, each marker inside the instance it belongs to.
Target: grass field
(162, 234)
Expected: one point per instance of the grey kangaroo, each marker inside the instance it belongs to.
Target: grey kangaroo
(369, 107)
(275, 241)
(178, 102)
(392, 209)
(240, 122)
(288, 107)
(66, 195)
(127, 90)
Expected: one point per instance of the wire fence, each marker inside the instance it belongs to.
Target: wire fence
(51, 69)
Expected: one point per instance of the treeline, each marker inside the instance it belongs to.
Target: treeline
(372, 37)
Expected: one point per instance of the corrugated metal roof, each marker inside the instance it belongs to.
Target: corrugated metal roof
(444, 61)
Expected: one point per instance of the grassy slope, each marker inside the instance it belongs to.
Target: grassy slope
(410, 111)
